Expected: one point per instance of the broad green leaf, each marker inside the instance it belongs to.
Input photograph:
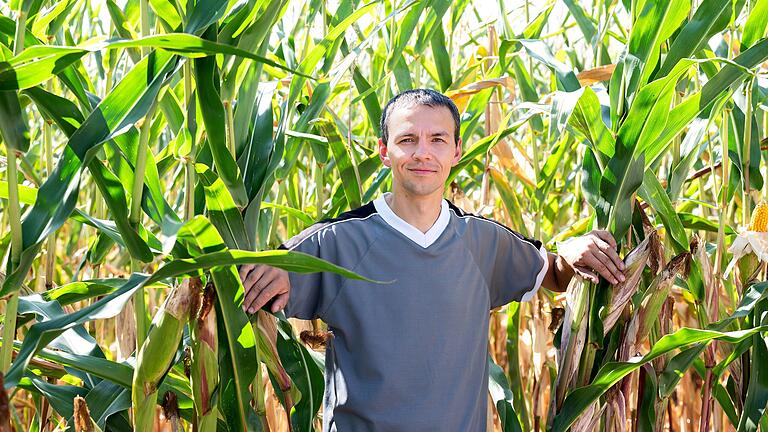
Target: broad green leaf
(717, 87)
(710, 18)
(652, 192)
(502, 398)
(207, 78)
(656, 21)
(344, 164)
(196, 230)
(306, 369)
(123, 106)
(222, 210)
(13, 122)
(611, 373)
(757, 388)
(756, 25)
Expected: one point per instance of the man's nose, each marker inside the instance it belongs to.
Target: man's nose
(422, 150)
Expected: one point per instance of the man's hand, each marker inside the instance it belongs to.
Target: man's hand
(593, 254)
(263, 283)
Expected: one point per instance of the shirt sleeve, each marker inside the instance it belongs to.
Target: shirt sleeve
(519, 266)
(312, 293)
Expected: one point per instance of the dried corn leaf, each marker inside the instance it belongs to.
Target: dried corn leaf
(595, 75)
(461, 96)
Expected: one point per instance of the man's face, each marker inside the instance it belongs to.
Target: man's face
(421, 148)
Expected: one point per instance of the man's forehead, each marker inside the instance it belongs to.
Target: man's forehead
(421, 116)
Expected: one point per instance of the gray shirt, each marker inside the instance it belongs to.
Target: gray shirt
(411, 355)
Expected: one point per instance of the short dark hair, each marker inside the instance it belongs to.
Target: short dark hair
(420, 96)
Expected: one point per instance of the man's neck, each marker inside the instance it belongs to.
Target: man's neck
(421, 212)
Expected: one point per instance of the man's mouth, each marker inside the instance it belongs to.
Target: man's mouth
(422, 170)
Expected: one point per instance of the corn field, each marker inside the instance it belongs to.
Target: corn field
(152, 146)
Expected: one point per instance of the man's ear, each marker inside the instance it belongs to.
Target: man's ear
(457, 153)
(384, 154)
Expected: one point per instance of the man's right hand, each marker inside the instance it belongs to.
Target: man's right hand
(263, 283)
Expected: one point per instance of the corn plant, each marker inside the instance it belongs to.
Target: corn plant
(151, 147)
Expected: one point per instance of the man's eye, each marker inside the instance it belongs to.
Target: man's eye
(406, 140)
(439, 140)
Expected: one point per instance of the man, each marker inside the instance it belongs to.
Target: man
(411, 355)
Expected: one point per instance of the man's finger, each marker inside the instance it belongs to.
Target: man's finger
(602, 266)
(244, 270)
(585, 273)
(611, 267)
(280, 302)
(610, 251)
(607, 237)
(256, 289)
(265, 295)
(254, 276)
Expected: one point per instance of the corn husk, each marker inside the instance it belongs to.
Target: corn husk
(574, 336)
(654, 297)
(750, 247)
(635, 262)
(204, 372)
(589, 421)
(82, 416)
(266, 336)
(157, 352)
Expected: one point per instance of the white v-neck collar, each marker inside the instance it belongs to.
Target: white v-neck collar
(422, 239)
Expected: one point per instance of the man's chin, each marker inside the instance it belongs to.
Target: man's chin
(422, 190)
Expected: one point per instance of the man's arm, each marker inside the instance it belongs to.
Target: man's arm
(589, 256)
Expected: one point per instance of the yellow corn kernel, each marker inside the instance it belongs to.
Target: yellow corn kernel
(759, 218)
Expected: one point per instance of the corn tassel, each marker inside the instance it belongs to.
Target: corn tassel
(205, 364)
(158, 350)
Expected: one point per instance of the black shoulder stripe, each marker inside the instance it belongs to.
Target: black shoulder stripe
(461, 213)
(358, 213)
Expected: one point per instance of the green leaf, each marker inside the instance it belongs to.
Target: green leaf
(711, 17)
(717, 87)
(13, 122)
(539, 50)
(222, 210)
(502, 397)
(657, 20)
(587, 119)
(306, 371)
(442, 59)
(757, 22)
(123, 106)
(196, 230)
(344, 163)
(611, 373)
(207, 79)
(652, 192)
(757, 388)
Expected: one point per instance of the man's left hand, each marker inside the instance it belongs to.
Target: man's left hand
(593, 254)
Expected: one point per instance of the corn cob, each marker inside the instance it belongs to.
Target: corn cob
(266, 336)
(83, 421)
(158, 350)
(759, 220)
(204, 370)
